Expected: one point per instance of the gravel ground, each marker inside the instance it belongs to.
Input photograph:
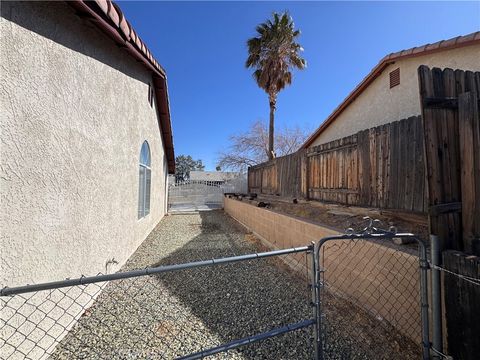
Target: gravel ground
(175, 314)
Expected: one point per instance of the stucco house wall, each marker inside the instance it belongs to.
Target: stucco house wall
(378, 104)
(75, 111)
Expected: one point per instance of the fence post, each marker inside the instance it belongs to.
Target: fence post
(437, 342)
(304, 171)
(424, 300)
(316, 304)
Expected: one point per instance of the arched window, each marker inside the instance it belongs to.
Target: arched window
(145, 180)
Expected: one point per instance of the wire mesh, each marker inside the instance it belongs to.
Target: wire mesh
(369, 292)
(370, 300)
(167, 315)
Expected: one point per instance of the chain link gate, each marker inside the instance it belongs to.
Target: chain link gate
(371, 296)
(352, 315)
(126, 315)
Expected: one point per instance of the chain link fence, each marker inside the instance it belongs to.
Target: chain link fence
(372, 296)
(353, 296)
(181, 310)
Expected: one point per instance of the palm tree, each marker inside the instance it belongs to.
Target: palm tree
(273, 54)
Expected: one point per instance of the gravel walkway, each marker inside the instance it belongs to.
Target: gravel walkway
(170, 315)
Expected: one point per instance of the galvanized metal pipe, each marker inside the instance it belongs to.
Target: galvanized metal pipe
(248, 340)
(424, 300)
(315, 306)
(148, 271)
(437, 340)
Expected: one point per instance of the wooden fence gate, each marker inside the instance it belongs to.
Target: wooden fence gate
(452, 148)
(450, 111)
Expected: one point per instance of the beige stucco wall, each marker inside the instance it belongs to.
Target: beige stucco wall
(378, 104)
(74, 114)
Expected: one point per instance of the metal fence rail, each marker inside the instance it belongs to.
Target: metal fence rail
(249, 340)
(355, 295)
(138, 313)
(6, 291)
(362, 313)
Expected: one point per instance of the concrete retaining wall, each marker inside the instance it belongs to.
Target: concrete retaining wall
(281, 231)
(379, 278)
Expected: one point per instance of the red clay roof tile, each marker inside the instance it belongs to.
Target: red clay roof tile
(112, 14)
(109, 18)
(468, 37)
(103, 5)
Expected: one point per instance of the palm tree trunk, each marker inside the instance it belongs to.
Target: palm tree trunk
(271, 127)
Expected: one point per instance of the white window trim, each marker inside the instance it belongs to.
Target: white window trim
(144, 200)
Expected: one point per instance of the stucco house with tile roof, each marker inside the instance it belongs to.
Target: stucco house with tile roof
(86, 140)
(390, 91)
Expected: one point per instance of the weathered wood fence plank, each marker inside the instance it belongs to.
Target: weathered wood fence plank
(450, 101)
(461, 301)
(379, 167)
(451, 153)
(470, 170)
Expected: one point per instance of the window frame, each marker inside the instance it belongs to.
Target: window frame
(144, 182)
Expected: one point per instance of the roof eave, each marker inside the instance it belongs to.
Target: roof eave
(109, 18)
(460, 41)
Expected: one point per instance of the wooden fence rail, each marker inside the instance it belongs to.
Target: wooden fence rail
(379, 167)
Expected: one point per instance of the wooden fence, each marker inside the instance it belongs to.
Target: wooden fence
(278, 176)
(462, 299)
(379, 167)
(450, 109)
(428, 164)
(450, 101)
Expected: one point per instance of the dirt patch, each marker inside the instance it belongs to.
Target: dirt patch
(341, 217)
(366, 337)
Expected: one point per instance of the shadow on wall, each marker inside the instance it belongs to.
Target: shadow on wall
(57, 21)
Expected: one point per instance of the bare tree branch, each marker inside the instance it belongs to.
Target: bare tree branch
(251, 147)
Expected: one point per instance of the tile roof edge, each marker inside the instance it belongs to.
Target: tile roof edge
(441, 45)
(109, 18)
